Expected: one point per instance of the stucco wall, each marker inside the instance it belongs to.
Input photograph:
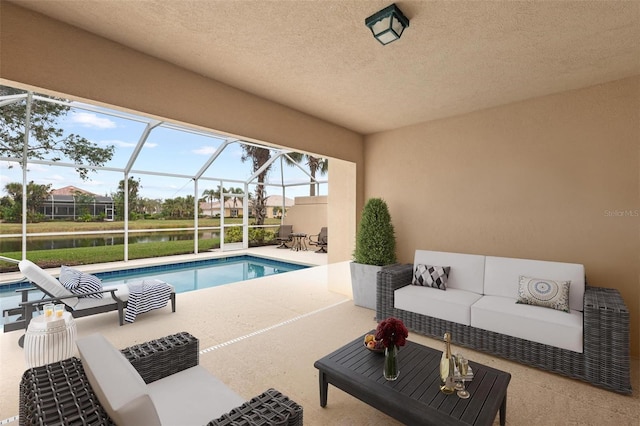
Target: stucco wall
(552, 178)
(308, 215)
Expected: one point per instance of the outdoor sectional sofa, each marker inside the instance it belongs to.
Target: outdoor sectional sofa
(157, 382)
(479, 309)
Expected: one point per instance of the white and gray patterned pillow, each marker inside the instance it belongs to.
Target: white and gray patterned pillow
(545, 293)
(79, 283)
(431, 276)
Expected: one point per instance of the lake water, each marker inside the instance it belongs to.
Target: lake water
(99, 240)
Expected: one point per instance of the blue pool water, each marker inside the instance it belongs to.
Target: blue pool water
(188, 276)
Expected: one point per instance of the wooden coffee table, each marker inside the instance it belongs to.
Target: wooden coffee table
(415, 397)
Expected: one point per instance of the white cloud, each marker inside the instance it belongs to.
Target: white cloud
(118, 143)
(205, 150)
(87, 119)
(124, 144)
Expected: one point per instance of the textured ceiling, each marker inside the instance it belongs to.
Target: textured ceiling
(318, 57)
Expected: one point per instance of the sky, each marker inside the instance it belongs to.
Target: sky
(167, 149)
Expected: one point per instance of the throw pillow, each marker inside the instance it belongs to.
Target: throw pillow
(545, 293)
(69, 277)
(431, 276)
(79, 283)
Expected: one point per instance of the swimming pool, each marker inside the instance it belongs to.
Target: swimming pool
(186, 276)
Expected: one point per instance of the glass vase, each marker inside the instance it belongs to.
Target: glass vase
(391, 370)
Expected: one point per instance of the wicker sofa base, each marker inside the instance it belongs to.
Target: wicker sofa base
(604, 361)
(60, 393)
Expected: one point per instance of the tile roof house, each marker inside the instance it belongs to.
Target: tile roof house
(233, 207)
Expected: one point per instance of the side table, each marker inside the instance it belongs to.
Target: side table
(299, 242)
(48, 341)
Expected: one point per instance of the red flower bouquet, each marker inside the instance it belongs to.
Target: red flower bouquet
(392, 332)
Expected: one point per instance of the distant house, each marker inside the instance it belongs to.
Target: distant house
(233, 208)
(71, 202)
(274, 205)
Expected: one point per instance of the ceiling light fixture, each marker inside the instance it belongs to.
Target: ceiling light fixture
(388, 24)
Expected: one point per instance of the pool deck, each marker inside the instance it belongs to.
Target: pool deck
(268, 332)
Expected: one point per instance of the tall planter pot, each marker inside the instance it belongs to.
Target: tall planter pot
(363, 284)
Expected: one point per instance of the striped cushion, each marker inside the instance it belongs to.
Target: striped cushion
(69, 277)
(79, 283)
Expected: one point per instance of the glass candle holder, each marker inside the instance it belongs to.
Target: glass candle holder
(48, 311)
(59, 311)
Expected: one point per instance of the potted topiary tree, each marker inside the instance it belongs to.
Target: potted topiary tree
(375, 248)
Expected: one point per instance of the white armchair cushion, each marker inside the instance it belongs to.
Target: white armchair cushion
(192, 397)
(451, 305)
(534, 323)
(117, 384)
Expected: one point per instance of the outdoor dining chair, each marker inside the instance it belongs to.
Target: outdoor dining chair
(284, 236)
(320, 240)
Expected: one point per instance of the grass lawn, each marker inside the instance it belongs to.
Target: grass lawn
(89, 255)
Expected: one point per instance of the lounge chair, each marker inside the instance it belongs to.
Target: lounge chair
(320, 240)
(284, 235)
(114, 297)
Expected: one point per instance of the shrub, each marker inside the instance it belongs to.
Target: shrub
(375, 240)
(233, 234)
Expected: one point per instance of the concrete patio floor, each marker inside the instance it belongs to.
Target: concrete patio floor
(269, 331)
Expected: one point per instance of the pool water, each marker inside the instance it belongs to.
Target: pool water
(203, 274)
(188, 276)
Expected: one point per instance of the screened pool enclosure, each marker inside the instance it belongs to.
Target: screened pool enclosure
(85, 163)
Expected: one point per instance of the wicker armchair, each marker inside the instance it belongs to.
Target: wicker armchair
(60, 393)
(604, 362)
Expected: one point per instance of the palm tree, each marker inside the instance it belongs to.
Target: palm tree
(259, 157)
(315, 164)
(210, 195)
(235, 198)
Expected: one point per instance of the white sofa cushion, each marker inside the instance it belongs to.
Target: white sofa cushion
(117, 384)
(451, 305)
(534, 323)
(502, 275)
(467, 270)
(192, 397)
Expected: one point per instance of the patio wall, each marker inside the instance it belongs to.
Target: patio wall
(552, 178)
(308, 214)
